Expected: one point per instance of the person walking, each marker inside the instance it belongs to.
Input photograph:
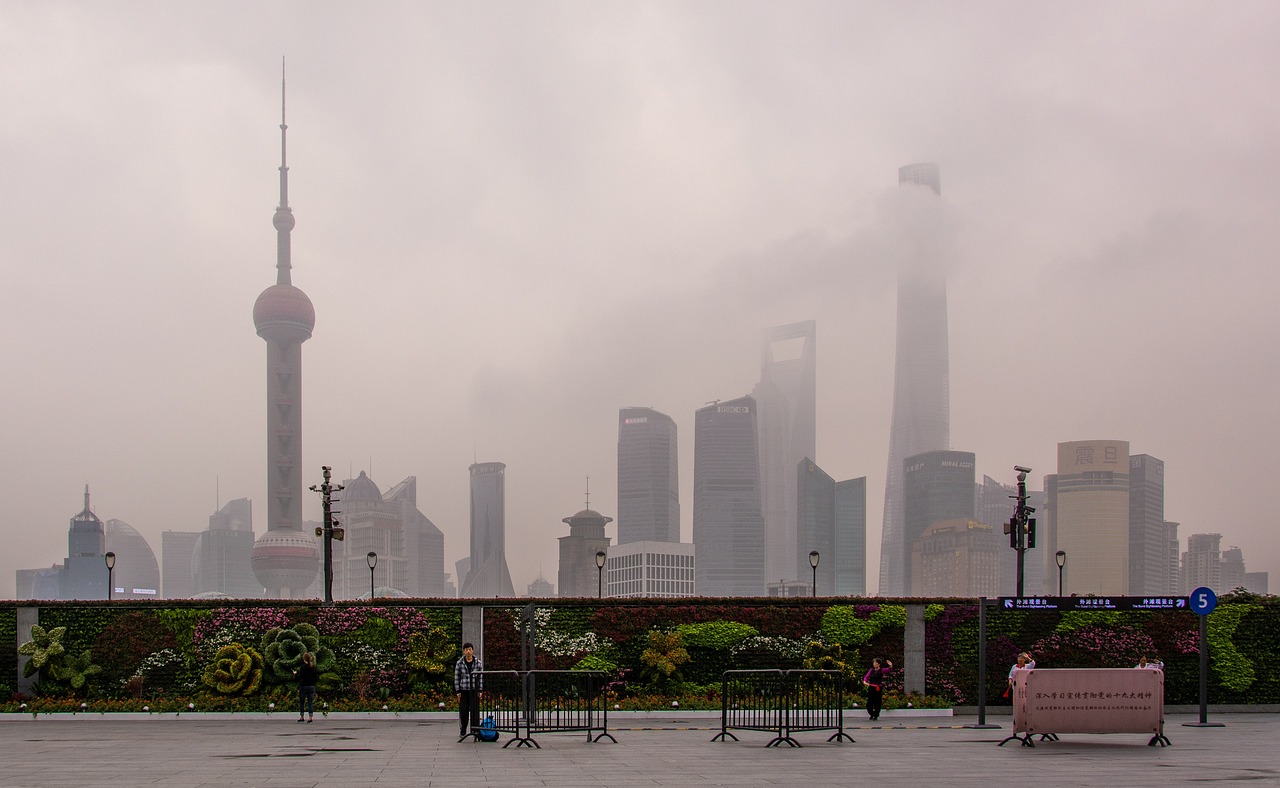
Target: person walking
(469, 685)
(307, 678)
(874, 682)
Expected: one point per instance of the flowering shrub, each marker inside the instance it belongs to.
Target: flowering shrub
(229, 625)
(1093, 646)
(235, 670)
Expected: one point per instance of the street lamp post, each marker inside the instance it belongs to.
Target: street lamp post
(372, 560)
(110, 558)
(600, 557)
(1061, 558)
(813, 564)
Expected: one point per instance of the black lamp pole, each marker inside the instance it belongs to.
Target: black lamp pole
(600, 558)
(372, 560)
(328, 532)
(813, 564)
(110, 558)
(1061, 558)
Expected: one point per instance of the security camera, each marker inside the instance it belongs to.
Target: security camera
(1021, 469)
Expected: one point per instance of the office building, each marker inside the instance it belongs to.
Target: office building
(956, 558)
(84, 572)
(650, 569)
(1202, 563)
(1256, 582)
(285, 560)
(177, 565)
(137, 573)
(488, 575)
(994, 504)
(648, 477)
(850, 576)
(786, 424)
(409, 547)
(579, 575)
(936, 486)
(1091, 515)
(1232, 572)
(1173, 559)
(921, 420)
(42, 583)
(222, 558)
(728, 525)
(1148, 545)
(540, 588)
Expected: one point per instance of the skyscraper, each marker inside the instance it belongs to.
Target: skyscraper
(1148, 545)
(1091, 515)
(936, 486)
(921, 404)
(648, 477)
(178, 573)
(1202, 563)
(222, 560)
(851, 538)
(816, 526)
(786, 408)
(994, 505)
(488, 575)
(84, 573)
(285, 558)
(728, 526)
(137, 573)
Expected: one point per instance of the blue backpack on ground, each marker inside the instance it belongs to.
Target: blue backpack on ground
(488, 730)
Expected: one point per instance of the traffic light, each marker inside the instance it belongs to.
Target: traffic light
(1011, 528)
(1031, 533)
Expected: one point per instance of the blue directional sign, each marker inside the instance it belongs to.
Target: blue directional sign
(1064, 603)
(1203, 601)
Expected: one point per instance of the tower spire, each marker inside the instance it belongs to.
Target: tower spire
(283, 219)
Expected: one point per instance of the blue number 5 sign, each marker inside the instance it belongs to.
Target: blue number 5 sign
(1203, 601)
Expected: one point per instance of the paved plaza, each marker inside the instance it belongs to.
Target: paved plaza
(652, 750)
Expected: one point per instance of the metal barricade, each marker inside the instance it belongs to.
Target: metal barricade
(546, 701)
(781, 702)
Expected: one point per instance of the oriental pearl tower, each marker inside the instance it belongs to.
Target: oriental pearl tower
(285, 558)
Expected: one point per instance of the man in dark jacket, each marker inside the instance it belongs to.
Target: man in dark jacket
(469, 685)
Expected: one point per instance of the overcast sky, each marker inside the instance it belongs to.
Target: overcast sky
(515, 218)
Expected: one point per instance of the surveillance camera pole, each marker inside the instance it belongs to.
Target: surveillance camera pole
(328, 531)
(1021, 527)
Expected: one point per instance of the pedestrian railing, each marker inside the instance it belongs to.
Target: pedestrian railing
(782, 702)
(546, 701)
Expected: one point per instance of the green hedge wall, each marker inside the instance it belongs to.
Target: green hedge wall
(406, 648)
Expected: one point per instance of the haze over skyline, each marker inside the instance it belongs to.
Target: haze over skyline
(515, 219)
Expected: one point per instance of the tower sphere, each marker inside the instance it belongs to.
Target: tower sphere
(285, 558)
(283, 219)
(284, 312)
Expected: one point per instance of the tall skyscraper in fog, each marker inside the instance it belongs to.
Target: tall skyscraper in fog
(728, 526)
(285, 558)
(786, 408)
(851, 538)
(84, 573)
(921, 405)
(488, 575)
(1148, 543)
(1089, 499)
(648, 477)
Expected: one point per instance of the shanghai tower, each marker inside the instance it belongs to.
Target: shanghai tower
(921, 400)
(285, 558)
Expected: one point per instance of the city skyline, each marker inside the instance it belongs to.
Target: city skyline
(539, 219)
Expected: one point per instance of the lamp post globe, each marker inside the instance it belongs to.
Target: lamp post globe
(813, 564)
(1061, 558)
(372, 560)
(110, 559)
(600, 559)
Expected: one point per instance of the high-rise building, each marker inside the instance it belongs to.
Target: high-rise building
(728, 526)
(137, 573)
(423, 541)
(1148, 545)
(994, 504)
(579, 575)
(540, 588)
(1202, 563)
(1233, 572)
(177, 567)
(285, 559)
(832, 520)
(936, 486)
(851, 538)
(222, 558)
(648, 477)
(1256, 582)
(786, 422)
(816, 523)
(488, 575)
(921, 399)
(1173, 562)
(650, 569)
(956, 558)
(409, 547)
(84, 572)
(1091, 515)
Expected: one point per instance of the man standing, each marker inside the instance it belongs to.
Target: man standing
(469, 684)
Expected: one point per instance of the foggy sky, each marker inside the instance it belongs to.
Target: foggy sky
(515, 218)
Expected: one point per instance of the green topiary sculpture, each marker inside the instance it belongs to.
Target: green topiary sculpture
(282, 649)
(44, 648)
(235, 670)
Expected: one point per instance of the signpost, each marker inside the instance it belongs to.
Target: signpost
(1202, 602)
(1064, 603)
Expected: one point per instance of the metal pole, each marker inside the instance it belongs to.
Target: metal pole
(370, 584)
(1059, 580)
(815, 581)
(982, 667)
(1204, 680)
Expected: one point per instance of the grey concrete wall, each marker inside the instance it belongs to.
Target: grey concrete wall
(473, 628)
(27, 616)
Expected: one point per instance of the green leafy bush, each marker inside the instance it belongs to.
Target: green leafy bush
(716, 635)
(842, 624)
